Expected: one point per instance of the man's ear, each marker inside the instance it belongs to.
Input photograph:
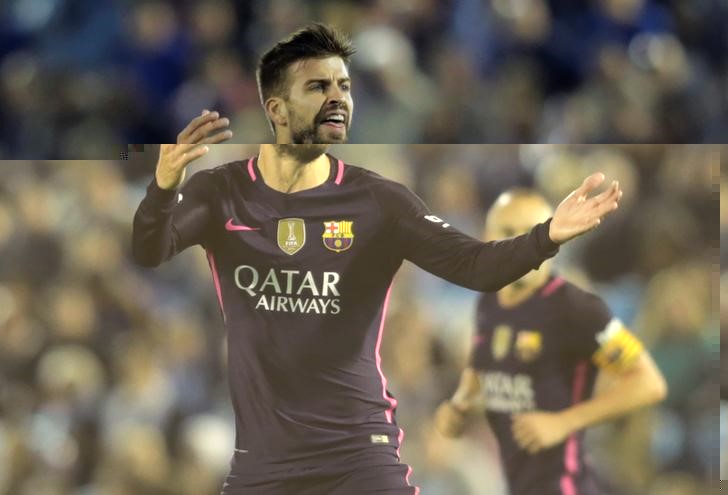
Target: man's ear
(277, 111)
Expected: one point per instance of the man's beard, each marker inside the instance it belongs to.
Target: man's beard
(309, 134)
(306, 135)
(302, 153)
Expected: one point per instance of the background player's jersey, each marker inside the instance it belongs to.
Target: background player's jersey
(542, 355)
(303, 281)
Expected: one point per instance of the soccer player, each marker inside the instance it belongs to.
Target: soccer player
(541, 342)
(303, 249)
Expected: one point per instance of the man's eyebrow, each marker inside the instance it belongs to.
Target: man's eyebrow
(327, 80)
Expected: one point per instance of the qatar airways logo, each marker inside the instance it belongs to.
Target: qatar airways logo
(290, 291)
(508, 393)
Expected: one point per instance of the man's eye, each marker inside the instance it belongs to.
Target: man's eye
(345, 87)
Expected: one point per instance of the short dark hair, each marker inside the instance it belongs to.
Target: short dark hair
(313, 41)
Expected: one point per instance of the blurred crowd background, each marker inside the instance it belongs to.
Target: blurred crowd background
(112, 377)
(80, 77)
(723, 295)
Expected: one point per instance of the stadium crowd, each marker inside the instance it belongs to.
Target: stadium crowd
(112, 377)
(723, 322)
(80, 77)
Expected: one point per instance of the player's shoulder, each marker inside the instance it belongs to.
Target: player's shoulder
(576, 300)
(354, 174)
(386, 191)
(568, 290)
(227, 170)
(219, 175)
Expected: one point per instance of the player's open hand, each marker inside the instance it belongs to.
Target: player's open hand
(208, 128)
(579, 213)
(536, 431)
(449, 421)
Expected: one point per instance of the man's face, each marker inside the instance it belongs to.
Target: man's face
(319, 106)
(514, 218)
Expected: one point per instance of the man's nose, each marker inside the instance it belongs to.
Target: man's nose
(335, 94)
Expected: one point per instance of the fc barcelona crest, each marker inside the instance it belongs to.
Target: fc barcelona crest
(291, 235)
(528, 345)
(338, 235)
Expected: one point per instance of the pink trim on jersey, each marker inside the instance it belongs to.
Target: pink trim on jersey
(552, 286)
(251, 170)
(409, 468)
(340, 174)
(216, 280)
(406, 478)
(392, 401)
(571, 452)
(567, 485)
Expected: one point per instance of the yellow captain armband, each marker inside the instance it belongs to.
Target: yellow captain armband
(619, 349)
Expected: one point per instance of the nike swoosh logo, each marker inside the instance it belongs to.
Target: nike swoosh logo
(232, 227)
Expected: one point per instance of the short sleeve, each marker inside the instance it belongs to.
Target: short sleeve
(595, 334)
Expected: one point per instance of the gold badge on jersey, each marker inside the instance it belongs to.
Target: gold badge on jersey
(501, 342)
(380, 439)
(528, 345)
(291, 235)
(338, 235)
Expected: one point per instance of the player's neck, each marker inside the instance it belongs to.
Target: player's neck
(515, 294)
(288, 173)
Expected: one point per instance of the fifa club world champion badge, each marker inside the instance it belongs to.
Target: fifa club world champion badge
(338, 236)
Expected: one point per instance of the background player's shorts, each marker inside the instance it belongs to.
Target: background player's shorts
(387, 479)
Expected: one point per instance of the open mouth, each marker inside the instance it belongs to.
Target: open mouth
(337, 121)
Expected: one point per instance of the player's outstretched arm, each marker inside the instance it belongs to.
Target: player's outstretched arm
(578, 213)
(637, 386)
(436, 246)
(166, 221)
(451, 416)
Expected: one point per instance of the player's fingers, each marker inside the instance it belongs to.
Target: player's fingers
(528, 439)
(518, 437)
(520, 433)
(186, 136)
(181, 149)
(166, 148)
(218, 138)
(606, 208)
(192, 155)
(451, 429)
(204, 130)
(451, 421)
(604, 196)
(524, 440)
(206, 116)
(590, 183)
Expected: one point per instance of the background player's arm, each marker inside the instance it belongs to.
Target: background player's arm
(440, 249)
(626, 390)
(167, 222)
(452, 415)
(634, 381)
